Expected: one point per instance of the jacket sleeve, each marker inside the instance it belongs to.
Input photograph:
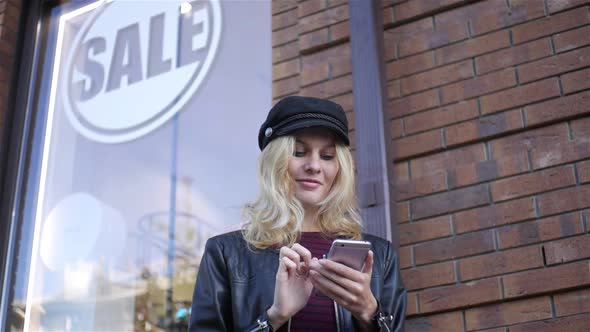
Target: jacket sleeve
(211, 308)
(392, 304)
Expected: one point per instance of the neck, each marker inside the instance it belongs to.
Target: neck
(310, 222)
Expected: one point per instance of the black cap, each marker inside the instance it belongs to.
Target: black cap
(296, 112)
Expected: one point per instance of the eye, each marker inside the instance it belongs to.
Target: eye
(327, 157)
(299, 153)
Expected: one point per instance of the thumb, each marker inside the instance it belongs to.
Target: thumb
(368, 267)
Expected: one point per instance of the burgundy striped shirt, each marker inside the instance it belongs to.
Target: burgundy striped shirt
(318, 314)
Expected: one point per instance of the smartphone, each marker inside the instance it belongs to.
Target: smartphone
(351, 253)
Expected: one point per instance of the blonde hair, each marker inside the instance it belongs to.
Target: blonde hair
(276, 217)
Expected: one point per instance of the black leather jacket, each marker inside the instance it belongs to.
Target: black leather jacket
(235, 287)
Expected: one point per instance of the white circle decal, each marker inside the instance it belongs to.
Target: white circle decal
(132, 66)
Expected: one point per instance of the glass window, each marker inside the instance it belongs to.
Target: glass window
(145, 146)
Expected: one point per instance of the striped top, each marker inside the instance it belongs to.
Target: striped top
(318, 314)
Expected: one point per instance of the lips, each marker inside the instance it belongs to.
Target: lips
(309, 183)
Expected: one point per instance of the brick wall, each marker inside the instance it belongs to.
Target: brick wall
(488, 108)
(489, 104)
(311, 51)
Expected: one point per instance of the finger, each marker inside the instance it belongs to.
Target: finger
(332, 290)
(342, 281)
(368, 267)
(342, 270)
(303, 253)
(292, 254)
(290, 266)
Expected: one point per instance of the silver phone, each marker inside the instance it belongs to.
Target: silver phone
(351, 253)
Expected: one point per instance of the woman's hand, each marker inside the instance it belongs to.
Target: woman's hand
(348, 287)
(293, 285)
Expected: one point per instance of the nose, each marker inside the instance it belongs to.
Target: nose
(312, 164)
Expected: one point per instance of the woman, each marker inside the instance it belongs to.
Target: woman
(271, 275)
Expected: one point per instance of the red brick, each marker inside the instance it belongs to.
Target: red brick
(577, 323)
(284, 20)
(472, 173)
(550, 137)
(483, 127)
(447, 322)
(427, 40)
(403, 212)
(387, 15)
(519, 96)
(568, 250)
(279, 6)
(334, 56)
(285, 69)
(486, 170)
(439, 117)
(581, 128)
(560, 152)
(334, 3)
(412, 304)
(392, 37)
(568, 40)
(396, 128)
(424, 230)
(508, 313)
(540, 230)
(513, 56)
(576, 81)
(548, 279)
(559, 5)
(330, 88)
(310, 7)
(315, 74)
(571, 303)
(405, 257)
(460, 295)
(401, 172)
(501, 16)
(410, 65)
(313, 39)
(284, 36)
(583, 169)
(410, 9)
(417, 144)
(285, 52)
(285, 87)
(552, 24)
(564, 200)
(554, 65)
(446, 160)
(437, 77)
(454, 247)
(473, 47)
(394, 89)
(429, 276)
(468, 12)
(412, 104)
(339, 31)
(568, 106)
(450, 201)
(532, 183)
(478, 86)
(421, 186)
(501, 262)
(324, 18)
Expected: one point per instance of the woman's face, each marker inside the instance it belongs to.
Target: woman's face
(313, 165)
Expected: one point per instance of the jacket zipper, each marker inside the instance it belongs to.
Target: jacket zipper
(337, 320)
(289, 325)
